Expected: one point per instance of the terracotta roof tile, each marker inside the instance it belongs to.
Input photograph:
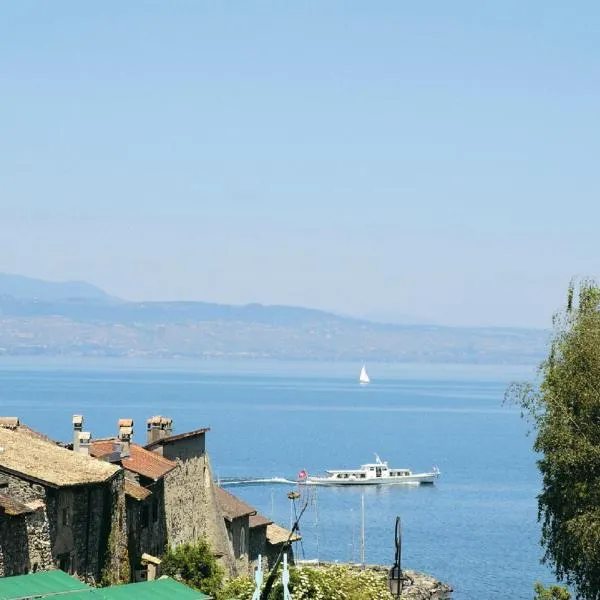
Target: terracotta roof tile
(12, 507)
(140, 461)
(136, 491)
(258, 520)
(278, 535)
(231, 506)
(37, 459)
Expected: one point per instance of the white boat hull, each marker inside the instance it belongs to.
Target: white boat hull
(413, 479)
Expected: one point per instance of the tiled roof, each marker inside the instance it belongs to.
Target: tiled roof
(39, 460)
(12, 507)
(14, 424)
(278, 535)
(140, 461)
(136, 491)
(231, 506)
(258, 520)
(175, 438)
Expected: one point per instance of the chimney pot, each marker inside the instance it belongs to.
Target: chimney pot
(85, 438)
(158, 428)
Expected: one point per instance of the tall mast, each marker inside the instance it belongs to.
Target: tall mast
(362, 530)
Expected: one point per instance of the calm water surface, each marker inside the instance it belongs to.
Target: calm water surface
(476, 528)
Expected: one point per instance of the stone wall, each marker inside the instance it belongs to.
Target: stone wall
(273, 550)
(238, 532)
(113, 538)
(191, 505)
(74, 528)
(147, 533)
(258, 546)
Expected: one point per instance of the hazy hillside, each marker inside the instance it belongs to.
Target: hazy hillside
(97, 326)
(18, 286)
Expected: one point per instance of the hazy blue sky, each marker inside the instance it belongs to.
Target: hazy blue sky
(436, 159)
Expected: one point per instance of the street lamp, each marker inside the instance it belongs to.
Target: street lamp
(396, 578)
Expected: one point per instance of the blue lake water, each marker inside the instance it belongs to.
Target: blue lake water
(476, 528)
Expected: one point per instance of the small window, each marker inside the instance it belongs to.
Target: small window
(145, 516)
(243, 541)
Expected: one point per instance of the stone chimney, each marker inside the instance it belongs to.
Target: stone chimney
(159, 428)
(77, 428)
(125, 436)
(84, 443)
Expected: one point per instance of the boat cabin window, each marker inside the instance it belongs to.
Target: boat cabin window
(371, 468)
(362, 475)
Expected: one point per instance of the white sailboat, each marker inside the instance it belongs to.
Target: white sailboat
(364, 378)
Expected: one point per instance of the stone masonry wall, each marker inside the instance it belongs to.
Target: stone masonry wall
(239, 532)
(79, 527)
(192, 510)
(113, 540)
(151, 538)
(25, 543)
(258, 545)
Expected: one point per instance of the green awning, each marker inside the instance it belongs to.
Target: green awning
(39, 585)
(55, 584)
(159, 589)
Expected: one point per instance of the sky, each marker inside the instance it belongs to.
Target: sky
(435, 160)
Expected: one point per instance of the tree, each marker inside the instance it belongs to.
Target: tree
(565, 413)
(195, 565)
(553, 592)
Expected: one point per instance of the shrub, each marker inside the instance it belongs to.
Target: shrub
(195, 565)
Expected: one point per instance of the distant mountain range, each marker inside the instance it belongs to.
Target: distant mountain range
(19, 286)
(78, 319)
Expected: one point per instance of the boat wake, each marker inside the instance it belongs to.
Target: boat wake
(230, 481)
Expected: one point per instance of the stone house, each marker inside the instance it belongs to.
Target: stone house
(236, 515)
(277, 538)
(251, 534)
(59, 509)
(145, 473)
(191, 506)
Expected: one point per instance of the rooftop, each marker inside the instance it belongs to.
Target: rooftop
(40, 460)
(140, 461)
(278, 535)
(136, 491)
(259, 520)
(14, 508)
(231, 506)
(175, 438)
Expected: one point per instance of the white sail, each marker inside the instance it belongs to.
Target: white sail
(364, 378)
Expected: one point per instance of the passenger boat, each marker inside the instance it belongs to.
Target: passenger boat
(377, 473)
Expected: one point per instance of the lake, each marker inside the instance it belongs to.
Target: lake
(475, 529)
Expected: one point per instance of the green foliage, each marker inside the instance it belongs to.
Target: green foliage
(240, 588)
(116, 562)
(565, 412)
(195, 565)
(336, 582)
(553, 592)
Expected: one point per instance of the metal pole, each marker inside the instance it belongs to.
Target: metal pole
(362, 531)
